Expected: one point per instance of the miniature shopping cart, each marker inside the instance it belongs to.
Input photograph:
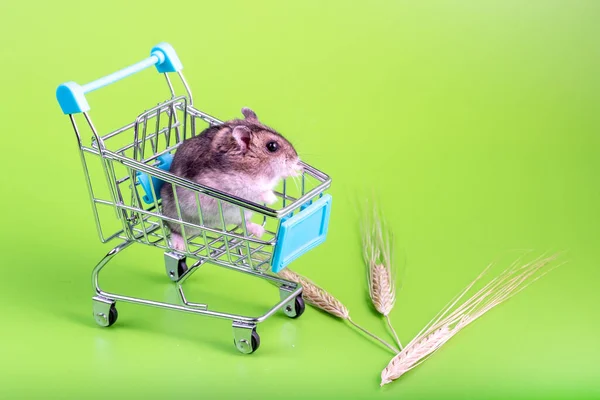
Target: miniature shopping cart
(124, 171)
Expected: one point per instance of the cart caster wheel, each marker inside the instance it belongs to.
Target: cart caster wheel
(105, 312)
(113, 315)
(248, 345)
(299, 305)
(176, 265)
(295, 309)
(182, 267)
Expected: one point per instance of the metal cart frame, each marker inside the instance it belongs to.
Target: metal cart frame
(132, 164)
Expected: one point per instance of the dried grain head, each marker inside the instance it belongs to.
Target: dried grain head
(415, 353)
(381, 288)
(457, 315)
(317, 296)
(378, 254)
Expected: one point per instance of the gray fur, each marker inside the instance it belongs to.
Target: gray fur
(231, 157)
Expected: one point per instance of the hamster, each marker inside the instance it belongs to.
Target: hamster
(242, 157)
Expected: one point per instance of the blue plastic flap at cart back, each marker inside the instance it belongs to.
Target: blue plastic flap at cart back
(164, 163)
(302, 232)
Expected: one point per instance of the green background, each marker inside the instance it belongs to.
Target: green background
(476, 121)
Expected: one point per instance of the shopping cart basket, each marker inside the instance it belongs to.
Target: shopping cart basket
(124, 171)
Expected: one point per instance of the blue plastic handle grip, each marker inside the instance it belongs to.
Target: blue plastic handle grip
(71, 96)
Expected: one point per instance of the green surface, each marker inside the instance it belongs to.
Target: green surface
(477, 122)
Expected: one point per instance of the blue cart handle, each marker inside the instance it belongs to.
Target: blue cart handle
(71, 96)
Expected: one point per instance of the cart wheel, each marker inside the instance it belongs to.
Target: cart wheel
(105, 311)
(295, 308)
(255, 340)
(113, 314)
(254, 343)
(182, 267)
(299, 304)
(175, 264)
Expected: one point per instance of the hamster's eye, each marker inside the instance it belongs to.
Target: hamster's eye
(272, 147)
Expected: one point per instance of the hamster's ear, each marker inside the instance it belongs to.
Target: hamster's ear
(241, 134)
(249, 114)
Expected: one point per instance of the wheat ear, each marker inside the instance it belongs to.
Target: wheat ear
(377, 241)
(320, 298)
(453, 318)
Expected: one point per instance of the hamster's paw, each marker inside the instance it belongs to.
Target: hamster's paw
(255, 229)
(269, 197)
(177, 242)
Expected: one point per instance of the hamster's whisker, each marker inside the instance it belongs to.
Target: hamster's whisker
(296, 180)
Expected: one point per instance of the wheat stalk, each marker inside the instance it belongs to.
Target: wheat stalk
(453, 318)
(320, 298)
(377, 241)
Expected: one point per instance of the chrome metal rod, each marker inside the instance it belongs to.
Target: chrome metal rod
(216, 314)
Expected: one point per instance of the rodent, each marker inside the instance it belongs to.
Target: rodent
(242, 157)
